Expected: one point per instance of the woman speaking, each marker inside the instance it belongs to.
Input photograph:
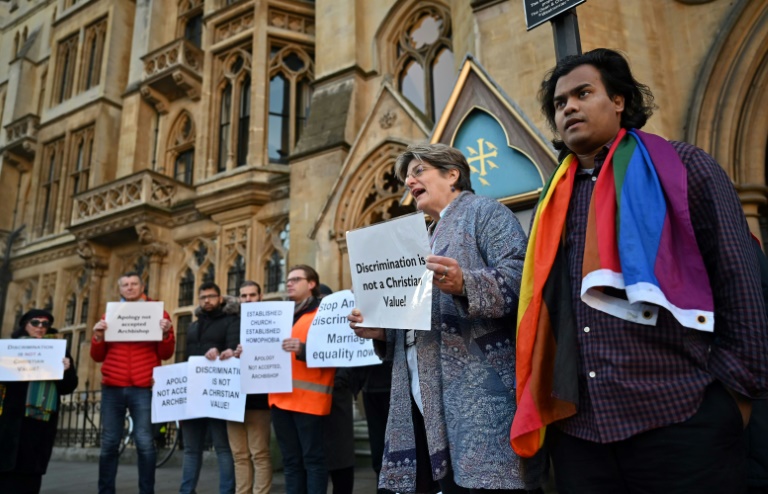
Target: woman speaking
(453, 388)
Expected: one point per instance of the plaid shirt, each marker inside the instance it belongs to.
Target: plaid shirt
(634, 378)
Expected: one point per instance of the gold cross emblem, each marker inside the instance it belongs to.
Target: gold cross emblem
(483, 157)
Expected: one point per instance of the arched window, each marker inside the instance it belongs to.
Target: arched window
(65, 67)
(236, 275)
(274, 268)
(234, 111)
(69, 316)
(84, 311)
(424, 69)
(52, 169)
(273, 273)
(181, 148)
(187, 289)
(190, 21)
(291, 70)
(95, 35)
(83, 151)
(224, 126)
(244, 121)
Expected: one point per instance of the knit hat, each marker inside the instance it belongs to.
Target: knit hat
(28, 316)
(325, 290)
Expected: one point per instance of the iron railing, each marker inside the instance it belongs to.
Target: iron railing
(80, 419)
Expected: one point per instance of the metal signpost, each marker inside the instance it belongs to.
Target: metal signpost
(565, 23)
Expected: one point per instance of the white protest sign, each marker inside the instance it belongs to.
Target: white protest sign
(393, 287)
(266, 366)
(169, 394)
(213, 389)
(134, 321)
(32, 359)
(331, 342)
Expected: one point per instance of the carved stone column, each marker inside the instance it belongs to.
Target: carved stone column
(752, 197)
(97, 266)
(155, 251)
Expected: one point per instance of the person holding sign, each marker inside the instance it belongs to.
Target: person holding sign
(453, 388)
(126, 384)
(249, 440)
(298, 416)
(214, 334)
(29, 415)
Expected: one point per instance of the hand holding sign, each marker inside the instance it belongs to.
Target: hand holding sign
(32, 359)
(393, 286)
(330, 343)
(355, 318)
(134, 321)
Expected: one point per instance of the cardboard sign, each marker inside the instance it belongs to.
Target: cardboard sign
(213, 389)
(331, 342)
(169, 394)
(134, 321)
(266, 366)
(392, 285)
(32, 359)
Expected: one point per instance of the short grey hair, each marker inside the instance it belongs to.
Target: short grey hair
(441, 156)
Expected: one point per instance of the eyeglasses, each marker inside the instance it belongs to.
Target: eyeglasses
(416, 172)
(37, 323)
(291, 281)
(206, 297)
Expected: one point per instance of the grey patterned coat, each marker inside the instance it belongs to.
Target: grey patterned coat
(467, 362)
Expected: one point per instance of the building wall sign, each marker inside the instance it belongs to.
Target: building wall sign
(538, 12)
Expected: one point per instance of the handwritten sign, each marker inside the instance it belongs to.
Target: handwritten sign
(169, 394)
(134, 321)
(331, 342)
(266, 366)
(213, 388)
(32, 359)
(393, 287)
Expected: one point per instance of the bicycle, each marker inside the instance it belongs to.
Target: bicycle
(166, 436)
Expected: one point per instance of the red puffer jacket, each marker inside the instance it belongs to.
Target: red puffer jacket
(131, 363)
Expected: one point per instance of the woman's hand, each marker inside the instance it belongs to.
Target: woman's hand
(369, 333)
(448, 275)
(238, 351)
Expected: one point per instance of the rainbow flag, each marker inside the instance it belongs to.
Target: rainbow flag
(639, 240)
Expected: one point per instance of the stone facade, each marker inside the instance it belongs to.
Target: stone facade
(227, 140)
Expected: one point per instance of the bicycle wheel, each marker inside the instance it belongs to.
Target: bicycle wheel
(166, 441)
(127, 431)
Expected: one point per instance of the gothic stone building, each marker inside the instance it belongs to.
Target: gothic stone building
(224, 140)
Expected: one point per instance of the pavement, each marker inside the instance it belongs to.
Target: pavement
(75, 477)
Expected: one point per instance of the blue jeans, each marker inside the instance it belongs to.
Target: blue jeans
(194, 441)
(302, 443)
(114, 402)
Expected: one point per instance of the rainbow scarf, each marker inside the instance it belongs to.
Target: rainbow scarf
(639, 239)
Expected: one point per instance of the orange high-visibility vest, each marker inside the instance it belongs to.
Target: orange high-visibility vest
(312, 388)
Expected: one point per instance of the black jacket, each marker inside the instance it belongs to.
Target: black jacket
(219, 328)
(27, 443)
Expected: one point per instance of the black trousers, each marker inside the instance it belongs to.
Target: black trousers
(704, 454)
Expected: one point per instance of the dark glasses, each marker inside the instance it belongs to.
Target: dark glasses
(37, 323)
